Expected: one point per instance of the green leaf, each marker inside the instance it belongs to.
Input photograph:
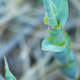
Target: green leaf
(62, 10)
(47, 46)
(8, 74)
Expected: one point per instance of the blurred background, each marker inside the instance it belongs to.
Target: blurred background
(22, 30)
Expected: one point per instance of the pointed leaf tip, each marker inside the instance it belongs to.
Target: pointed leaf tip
(8, 74)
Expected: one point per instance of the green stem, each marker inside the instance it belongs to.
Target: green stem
(51, 15)
(57, 36)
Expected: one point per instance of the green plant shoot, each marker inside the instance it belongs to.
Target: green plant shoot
(58, 41)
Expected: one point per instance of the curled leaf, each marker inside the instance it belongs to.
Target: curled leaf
(47, 46)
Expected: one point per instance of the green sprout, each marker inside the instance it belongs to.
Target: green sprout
(58, 41)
